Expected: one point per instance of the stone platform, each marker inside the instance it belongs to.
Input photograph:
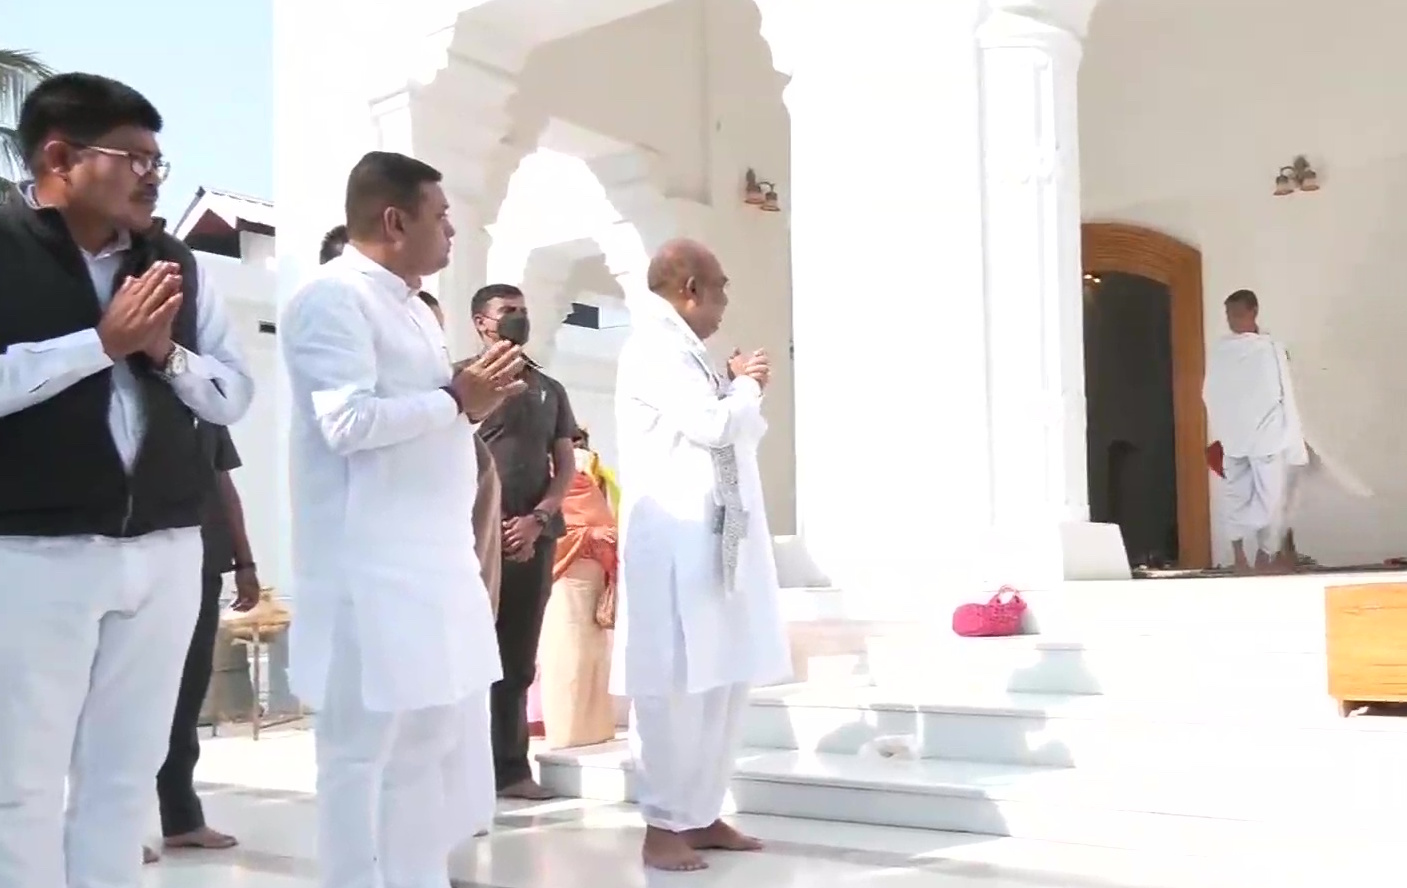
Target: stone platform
(1144, 715)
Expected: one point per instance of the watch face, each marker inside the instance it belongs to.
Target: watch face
(176, 364)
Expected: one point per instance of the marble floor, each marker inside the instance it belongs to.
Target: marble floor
(262, 792)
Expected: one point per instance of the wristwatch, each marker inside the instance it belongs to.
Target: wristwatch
(542, 517)
(175, 364)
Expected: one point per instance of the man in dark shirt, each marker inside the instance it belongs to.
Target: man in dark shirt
(226, 549)
(531, 440)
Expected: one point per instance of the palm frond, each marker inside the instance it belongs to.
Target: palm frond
(12, 160)
(20, 71)
(24, 65)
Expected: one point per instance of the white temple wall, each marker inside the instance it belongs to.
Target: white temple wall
(691, 85)
(1187, 110)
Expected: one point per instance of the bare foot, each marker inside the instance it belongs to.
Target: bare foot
(719, 836)
(204, 838)
(527, 790)
(149, 856)
(1239, 564)
(664, 850)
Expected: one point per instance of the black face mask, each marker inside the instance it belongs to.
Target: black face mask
(514, 328)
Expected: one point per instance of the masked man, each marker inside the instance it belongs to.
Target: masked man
(531, 440)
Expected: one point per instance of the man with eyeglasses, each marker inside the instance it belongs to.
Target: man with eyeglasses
(112, 348)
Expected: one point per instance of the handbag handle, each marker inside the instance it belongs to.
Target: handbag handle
(1006, 595)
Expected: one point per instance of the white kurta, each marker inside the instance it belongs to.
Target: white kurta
(676, 630)
(687, 650)
(1253, 412)
(383, 475)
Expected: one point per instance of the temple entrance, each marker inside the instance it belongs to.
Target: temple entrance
(1129, 409)
(1144, 362)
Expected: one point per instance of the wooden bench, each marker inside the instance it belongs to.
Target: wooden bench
(1366, 636)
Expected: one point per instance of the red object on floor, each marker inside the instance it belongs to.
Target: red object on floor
(998, 617)
(535, 729)
(1216, 458)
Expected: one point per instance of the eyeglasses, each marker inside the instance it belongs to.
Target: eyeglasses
(142, 164)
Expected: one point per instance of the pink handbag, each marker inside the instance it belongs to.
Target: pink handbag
(999, 616)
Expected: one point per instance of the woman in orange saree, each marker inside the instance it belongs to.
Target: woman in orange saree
(574, 655)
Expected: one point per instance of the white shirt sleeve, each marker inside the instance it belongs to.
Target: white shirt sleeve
(217, 385)
(31, 372)
(666, 383)
(331, 359)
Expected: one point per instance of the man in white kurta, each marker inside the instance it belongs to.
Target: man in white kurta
(698, 621)
(393, 643)
(1253, 415)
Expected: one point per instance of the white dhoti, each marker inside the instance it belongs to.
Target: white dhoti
(397, 791)
(685, 747)
(93, 638)
(1257, 492)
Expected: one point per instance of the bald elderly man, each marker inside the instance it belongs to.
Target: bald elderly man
(698, 620)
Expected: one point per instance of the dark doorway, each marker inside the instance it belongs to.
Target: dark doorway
(1129, 408)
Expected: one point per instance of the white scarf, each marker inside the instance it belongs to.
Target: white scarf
(1251, 405)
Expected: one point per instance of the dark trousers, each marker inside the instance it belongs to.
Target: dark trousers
(175, 782)
(521, 602)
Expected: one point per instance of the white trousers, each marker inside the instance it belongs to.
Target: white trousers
(685, 747)
(1256, 492)
(93, 638)
(396, 791)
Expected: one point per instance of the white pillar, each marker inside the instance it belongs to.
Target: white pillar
(321, 127)
(893, 486)
(1030, 56)
(935, 271)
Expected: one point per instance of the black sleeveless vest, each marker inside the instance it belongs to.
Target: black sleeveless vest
(60, 472)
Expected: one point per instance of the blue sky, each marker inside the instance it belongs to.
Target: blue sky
(207, 65)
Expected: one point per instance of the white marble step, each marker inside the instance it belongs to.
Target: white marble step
(1259, 665)
(1237, 631)
(1232, 605)
(1229, 605)
(1141, 807)
(1068, 729)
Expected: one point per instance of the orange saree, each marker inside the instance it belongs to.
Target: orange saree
(574, 656)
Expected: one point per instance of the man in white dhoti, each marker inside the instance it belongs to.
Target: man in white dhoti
(393, 644)
(112, 344)
(1254, 423)
(698, 621)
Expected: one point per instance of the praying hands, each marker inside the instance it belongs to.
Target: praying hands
(756, 365)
